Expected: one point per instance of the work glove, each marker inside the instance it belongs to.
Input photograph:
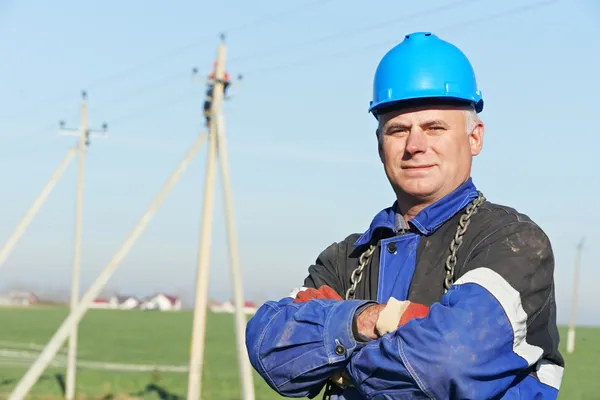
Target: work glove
(324, 292)
(397, 313)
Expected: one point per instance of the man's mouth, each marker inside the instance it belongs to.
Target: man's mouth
(418, 167)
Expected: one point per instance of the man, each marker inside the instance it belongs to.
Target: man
(445, 295)
(208, 100)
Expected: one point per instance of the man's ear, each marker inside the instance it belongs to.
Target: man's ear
(476, 138)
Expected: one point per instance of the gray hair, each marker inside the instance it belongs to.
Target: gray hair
(471, 119)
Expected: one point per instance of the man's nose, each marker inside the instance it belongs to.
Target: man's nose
(416, 141)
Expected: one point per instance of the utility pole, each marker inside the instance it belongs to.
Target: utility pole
(69, 325)
(84, 133)
(571, 332)
(217, 147)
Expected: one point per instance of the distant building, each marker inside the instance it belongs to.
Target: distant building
(229, 307)
(21, 298)
(125, 302)
(115, 303)
(158, 301)
(161, 302)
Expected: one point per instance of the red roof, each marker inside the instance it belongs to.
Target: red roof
(100, 300)
(172, 299)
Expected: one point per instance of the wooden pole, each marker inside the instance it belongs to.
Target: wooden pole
(203, 267)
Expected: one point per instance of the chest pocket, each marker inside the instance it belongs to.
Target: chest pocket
(397, 262)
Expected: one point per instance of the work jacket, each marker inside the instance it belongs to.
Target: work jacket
(491, 335)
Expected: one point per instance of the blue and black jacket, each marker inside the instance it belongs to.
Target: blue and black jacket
(492, 335)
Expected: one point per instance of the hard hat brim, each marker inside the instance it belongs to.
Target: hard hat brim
(424, 102)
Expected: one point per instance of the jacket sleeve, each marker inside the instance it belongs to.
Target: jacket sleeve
(492, 334)
(296, 347)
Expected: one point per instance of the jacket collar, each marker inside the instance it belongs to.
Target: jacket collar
(429, 219)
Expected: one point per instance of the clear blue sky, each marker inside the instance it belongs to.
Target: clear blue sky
(302, 148)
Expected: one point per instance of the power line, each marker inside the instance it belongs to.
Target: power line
(276, 16)
(168, 54)
(147, 87)
(126, 116)
(387, 42)
(313, 58)
(162, 104)
(292, 11)
(307, 60)
(204, 41)
(344, 34)
(318, 58)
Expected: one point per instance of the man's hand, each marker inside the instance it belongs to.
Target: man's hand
(367, 320)
(324, 292)
(377, 320)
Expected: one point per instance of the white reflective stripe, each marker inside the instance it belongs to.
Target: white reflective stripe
(550, 374)
(295, 292)
(510, 301)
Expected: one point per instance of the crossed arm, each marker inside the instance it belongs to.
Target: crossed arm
(489, 335)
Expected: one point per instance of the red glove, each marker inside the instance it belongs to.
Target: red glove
(414, 310)
(324, 292)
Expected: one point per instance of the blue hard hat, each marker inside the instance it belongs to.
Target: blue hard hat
(423, 66)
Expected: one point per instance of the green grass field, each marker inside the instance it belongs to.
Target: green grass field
(136, 337)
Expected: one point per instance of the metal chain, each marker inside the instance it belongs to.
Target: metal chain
(463, 224)
(356, 276)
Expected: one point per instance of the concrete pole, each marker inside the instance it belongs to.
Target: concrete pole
(571, 331)
(72, 352)
(245, 368)
(202, 276)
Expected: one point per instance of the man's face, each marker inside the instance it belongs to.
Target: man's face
(427, 152)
